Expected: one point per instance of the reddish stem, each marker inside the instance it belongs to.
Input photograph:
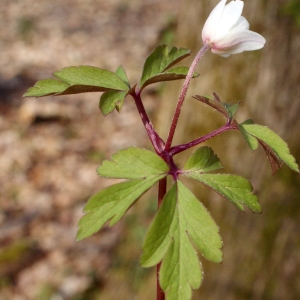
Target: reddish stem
(183, 94)
(162, 189)
(157, 142)
(177, 149)
(160, 295)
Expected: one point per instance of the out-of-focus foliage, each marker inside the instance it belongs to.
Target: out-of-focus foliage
(292, 8)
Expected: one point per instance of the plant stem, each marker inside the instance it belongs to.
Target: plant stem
(158, 145)
(157, 142)
(183, 94)
(162, 189)
(177, 149)
(164, 150)
(160, 295)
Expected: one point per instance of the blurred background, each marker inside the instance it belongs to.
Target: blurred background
(50, 148)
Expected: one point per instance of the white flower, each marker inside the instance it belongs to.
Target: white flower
(227, 32)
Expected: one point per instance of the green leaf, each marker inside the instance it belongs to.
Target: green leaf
(133, 163)
(159, 61)
(250, 140)
(176, 55)
(111, 203)
(181, 269)
(202, 160)
(276, 149)
(91, 76)
(122, 74)
(143, 166)
(235, 188)
(231, 109)
(46, 87)
(114, 99)
(175, 73)
(228, 110)
(74, 80)
(180, 220)
(111, 100)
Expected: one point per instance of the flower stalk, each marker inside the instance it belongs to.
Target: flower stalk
(183, 94)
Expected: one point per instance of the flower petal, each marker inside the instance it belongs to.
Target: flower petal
(212, 21)
(239, 41)
(226, 32)
(231, 14)
(241, 24)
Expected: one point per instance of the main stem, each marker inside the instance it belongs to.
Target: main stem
(183, 94)
(162, 189)
(159, 146)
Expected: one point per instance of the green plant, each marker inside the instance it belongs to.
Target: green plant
(182, 222)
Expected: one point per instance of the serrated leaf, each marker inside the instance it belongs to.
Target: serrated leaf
(75, 80)
(160, 60)
(181, 218)
(272, 144)
(250, 140)
(231, 109)
(114, 99)
(180, 270)
(143, 166)
(91, 76)
(46, 87)
(175, 73)
(202, 160)
(79, 89)
(111, 100)
(122, 74)
(133, 163)
(200, 226)
(111, 203)
(235, 188)
(176, 55)
(228, 110)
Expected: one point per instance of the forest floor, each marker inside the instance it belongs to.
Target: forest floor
(50, 147)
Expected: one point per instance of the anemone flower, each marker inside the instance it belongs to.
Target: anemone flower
(227, 32)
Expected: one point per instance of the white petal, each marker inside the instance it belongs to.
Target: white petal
(222, 54)
(229, 18)
(212, 21)
(239, 41)
(241, 24)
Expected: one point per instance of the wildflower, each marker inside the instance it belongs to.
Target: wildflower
(227, 32)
